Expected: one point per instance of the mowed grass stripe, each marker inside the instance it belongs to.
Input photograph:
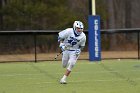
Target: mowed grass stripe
(108, 76)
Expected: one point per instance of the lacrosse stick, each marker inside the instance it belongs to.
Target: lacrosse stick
(57, 55)
(66, 47)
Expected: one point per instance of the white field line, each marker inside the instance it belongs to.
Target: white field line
(15, 74)
(79, 81)
(30, 74)
(87, 81)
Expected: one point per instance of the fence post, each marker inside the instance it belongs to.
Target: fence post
(138, 45)
(35, 47)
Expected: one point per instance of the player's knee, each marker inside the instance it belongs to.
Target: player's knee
(70, 66)
(64, 66)
(64, 63)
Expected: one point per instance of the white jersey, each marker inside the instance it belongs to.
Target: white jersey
(71, 40)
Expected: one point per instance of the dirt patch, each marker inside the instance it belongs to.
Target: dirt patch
(51, 56)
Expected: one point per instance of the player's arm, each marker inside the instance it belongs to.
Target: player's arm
(61, 37)
(61, 44)
(81, 47)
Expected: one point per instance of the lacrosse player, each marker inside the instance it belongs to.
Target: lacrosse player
(72, 41)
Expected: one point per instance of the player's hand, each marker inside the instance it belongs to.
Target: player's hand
(62, 46)
(78, 51)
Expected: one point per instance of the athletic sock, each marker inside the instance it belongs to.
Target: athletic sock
(64, 77)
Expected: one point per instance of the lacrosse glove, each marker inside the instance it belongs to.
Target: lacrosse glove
(77, 52)
(62, 46)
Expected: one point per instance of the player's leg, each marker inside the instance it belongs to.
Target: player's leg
(65, 59)
(72, 61)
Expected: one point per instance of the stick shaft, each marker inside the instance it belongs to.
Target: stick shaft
(57, 55)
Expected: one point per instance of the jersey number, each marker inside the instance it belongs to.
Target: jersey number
(73, 41)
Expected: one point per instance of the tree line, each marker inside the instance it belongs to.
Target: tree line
(37, 14)
(60, 14)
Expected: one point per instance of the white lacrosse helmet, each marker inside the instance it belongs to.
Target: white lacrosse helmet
(78, 27)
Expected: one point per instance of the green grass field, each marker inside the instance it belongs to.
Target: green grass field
(107, 76)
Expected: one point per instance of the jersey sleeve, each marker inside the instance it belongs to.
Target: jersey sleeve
(63, 34)
(83, 41)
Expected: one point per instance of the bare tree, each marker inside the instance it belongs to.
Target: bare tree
(111, 23)
(128, 13)
(1, 16)
(135, 14)
(2, 3)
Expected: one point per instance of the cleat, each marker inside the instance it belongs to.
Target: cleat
(62, 81)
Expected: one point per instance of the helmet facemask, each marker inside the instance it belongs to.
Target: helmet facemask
(78, 27)
(78, 30)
